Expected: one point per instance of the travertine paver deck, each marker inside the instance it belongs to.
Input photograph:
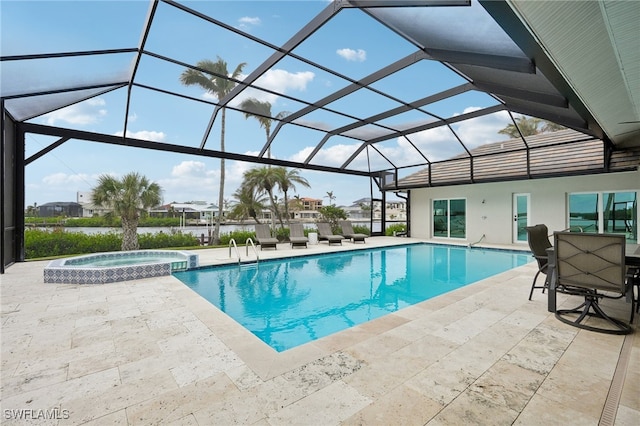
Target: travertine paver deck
(153, 351)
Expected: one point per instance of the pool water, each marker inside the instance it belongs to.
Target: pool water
(293, 301)
(123, 261)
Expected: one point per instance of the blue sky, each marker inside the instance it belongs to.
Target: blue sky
(46, 27)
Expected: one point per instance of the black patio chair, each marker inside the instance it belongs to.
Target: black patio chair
(538, 238)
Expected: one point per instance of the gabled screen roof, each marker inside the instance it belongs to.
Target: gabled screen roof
(357, 87)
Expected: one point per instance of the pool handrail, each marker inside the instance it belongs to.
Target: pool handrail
(255, 250)
(477, 242)
(232, 242)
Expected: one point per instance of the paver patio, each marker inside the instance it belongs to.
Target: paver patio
(153, 351)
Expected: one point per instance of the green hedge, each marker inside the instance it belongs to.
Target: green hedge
(396, 227)
(96, 222)
(361, 229)
(57, 242)
(240, 237)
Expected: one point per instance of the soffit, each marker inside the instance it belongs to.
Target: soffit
(595, 46)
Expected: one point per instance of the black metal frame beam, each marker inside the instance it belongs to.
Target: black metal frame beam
(507, 18)
(143, 40)
(166, 147)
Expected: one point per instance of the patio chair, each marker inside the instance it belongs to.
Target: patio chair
(347, 231)
(296, 235)
(326, 234)
(538, 239)
(263, 235)
(592, 266)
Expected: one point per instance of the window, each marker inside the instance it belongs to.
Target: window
(605, 212)
(449, 218)
(583, 212)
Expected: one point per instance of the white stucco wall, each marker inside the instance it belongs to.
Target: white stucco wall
(494, 217)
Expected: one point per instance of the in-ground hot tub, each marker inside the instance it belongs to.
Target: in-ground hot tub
(101, 268)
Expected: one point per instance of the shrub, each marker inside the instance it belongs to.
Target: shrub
(282, 234)
(396, 227)
(240, 237)
(361, 229)
(332, 214)
(45, 243)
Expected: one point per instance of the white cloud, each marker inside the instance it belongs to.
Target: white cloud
(147, 135)
(63, 179)
(334, 156)
(482, 130)
(301, 155)
(359, 55)
(283, 81)
(189, 181)
(189, 169)
(440, 143)
(248, 20)
(87, 112)
(198, 180)
(278, 80)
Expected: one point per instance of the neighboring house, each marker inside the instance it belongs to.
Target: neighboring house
(89, 209)
(355, 212)
(395, 210)
(359, 210)
(305, 209)
(60, 208)
(305, 215)
(199, 211)
(311, 203)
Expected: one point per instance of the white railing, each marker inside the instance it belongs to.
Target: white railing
(481, 238)
(255, 250)
(233, 243)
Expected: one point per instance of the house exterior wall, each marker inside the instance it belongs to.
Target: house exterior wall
(494, 217)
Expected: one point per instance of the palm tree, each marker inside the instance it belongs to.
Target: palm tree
(128, 198)
(261, 111)
(287, 179)
(550, 126)
(529, 126)
(264, 178)
(249, 203)
(213, 80)
(526, 126)
(331, 197)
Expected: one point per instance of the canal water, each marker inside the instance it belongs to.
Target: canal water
(195, 230)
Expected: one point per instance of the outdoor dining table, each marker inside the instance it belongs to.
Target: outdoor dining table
(631, 258)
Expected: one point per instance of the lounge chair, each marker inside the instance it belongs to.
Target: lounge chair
(263, 235)
(592, 266)
(347, 231)
(326, 234)
(296, 235)
(538, 238)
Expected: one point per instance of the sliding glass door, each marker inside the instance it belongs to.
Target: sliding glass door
(450, 218)
(605, 212)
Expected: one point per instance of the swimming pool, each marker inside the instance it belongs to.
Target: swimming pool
(289, 302)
